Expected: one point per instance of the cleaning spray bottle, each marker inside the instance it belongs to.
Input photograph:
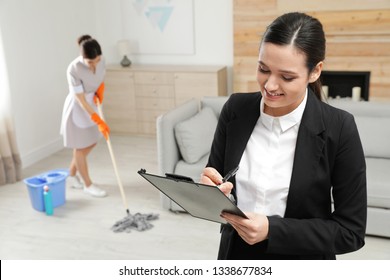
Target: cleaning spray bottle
(48, 200)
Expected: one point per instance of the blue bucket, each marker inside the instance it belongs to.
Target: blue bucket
(55, 179)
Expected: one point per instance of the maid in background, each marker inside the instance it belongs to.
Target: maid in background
(81, 126)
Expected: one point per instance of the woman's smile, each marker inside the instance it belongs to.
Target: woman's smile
(272, 95)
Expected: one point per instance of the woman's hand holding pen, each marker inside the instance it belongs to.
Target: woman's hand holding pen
(210, 176)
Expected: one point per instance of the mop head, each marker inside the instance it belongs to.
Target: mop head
(138, 222)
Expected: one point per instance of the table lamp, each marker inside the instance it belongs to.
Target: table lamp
(124, 50)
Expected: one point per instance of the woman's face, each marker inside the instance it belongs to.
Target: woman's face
(92, 62)
(283, 77)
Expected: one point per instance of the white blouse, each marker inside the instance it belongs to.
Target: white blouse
(263, 179)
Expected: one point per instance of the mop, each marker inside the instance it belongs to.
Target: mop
(138, 221)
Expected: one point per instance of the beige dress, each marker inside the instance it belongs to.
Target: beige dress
(77, 129)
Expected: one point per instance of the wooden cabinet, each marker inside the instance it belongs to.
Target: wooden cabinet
(136, 96)
(119, 102)
(189, 85)
(155, 95)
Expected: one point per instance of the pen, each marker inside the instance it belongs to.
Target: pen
(230, 174)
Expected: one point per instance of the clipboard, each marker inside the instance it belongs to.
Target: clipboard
(199, 200)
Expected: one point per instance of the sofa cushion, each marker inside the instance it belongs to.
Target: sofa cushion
(192, 170)
(378, 182)
(214, 102)
(195, 135)
(375, 134)
(372, 119)
(364, 108)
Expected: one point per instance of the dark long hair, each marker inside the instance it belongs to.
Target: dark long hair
(90, 48)
(306, 34)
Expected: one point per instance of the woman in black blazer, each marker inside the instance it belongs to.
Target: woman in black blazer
(302, 173)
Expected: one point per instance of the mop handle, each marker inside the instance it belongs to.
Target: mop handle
(114, 161)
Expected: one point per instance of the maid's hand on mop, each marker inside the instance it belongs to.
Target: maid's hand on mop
(103, 127)
(99, 94)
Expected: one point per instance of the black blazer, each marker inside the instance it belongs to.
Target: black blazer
(329, 162)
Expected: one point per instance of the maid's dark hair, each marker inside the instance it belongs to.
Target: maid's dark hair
(90, 48)
(305, 33)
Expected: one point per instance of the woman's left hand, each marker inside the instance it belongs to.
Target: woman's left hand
(252, 230)
(99, 94)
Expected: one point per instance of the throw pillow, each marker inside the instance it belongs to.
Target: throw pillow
(195, 135)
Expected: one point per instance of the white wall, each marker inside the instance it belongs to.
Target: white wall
(40, 40)
(213, 31)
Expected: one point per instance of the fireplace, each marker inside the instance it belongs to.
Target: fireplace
(343, 83)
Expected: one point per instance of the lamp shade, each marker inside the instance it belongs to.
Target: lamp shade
(123, 47)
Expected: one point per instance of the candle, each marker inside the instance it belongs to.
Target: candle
(356, 91)
(325, 90)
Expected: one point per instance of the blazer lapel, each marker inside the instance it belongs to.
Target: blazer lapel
(240, 129)
(308, 151)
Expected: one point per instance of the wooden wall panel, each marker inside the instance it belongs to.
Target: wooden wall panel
(362, 22)
(357, 34)
(357, 49)
(331, 5)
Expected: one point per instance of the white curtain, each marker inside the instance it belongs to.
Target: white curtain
(10, 163)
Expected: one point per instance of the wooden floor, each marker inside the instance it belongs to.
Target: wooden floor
(81, 228)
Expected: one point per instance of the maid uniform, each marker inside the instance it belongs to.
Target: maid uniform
(77, 128)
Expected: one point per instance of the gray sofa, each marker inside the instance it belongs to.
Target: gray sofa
(373, 121)
(169, 157)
